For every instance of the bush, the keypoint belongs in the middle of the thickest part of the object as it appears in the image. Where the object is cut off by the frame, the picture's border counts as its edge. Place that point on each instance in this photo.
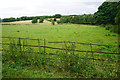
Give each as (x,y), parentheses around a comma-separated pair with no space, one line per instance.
(113,28)
(57,15)
(116,29)
(41,20)
(108,27)
(72,63)
(20,58)
(54,19)
(53,23)
(102,25)
(34,20)
(50,20)
(58,22)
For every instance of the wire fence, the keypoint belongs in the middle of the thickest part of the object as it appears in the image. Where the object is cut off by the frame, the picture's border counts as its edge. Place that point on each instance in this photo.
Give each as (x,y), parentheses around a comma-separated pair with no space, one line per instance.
(44,46)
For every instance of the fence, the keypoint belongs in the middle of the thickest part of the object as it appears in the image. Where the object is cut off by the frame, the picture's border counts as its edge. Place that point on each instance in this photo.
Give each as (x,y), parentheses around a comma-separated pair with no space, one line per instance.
(44,46)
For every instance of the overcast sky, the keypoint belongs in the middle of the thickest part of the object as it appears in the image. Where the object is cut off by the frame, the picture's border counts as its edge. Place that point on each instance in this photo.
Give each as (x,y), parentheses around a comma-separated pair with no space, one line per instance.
(18,8)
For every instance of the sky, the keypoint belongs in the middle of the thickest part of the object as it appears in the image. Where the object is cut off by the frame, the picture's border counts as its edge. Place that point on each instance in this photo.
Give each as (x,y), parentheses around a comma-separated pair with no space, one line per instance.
(19,8)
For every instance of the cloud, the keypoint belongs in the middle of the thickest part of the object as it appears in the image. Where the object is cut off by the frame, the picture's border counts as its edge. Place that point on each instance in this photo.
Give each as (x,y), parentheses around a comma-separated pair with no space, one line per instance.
(18,8)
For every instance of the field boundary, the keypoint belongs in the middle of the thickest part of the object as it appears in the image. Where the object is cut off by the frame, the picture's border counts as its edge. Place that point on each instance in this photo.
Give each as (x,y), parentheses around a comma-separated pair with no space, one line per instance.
(44,46)
(59,42)
(61,48)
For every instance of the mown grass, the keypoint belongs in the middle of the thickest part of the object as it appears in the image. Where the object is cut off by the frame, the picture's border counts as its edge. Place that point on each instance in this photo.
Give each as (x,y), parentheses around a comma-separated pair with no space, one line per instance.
(68,64)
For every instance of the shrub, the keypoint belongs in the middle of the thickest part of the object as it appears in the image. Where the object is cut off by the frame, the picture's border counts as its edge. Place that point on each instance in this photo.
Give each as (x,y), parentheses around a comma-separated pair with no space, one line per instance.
(57,15)
(108,27)
(18,57)
(102,25)
(58,22)
(53,23)
(41,20)
(54,19)
(50,20)
(116,29)
(113,28)
(34,20)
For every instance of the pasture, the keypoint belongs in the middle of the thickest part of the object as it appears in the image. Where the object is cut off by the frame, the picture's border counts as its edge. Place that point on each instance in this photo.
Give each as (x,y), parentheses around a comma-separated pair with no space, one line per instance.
(55,68)
(68,32)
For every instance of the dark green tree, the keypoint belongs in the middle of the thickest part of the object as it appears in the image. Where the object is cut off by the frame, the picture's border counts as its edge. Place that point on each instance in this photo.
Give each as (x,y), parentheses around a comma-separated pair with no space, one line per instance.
(106,13)
(57,16)
(34,20)
(58,22)
(41,20)
(54,19)
(117,20)
(9,19)
(53,23)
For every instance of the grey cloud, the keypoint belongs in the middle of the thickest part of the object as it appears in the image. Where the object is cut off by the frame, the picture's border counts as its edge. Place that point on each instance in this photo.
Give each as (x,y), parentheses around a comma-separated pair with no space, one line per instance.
(50,7)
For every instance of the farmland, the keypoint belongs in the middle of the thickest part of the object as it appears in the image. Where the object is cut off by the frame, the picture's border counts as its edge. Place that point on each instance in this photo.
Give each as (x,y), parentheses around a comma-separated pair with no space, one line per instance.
(81,44)
(33,65)
(69,32)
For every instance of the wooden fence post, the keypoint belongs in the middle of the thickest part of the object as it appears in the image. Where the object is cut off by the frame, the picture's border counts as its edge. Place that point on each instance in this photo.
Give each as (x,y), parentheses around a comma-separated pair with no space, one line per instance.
(23,45)
(39,45)
(44,45)
(14,45)
(65,47)
(91,51)
(26,43)
(20,45)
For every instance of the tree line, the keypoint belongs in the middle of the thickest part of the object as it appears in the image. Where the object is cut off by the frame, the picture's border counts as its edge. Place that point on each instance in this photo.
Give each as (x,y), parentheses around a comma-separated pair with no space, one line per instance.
(12,19)
(78,19)
(108,16)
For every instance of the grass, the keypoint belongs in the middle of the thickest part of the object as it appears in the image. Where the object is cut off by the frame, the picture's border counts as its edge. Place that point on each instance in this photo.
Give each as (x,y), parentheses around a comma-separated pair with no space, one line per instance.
(71,32)
(62,32)
(69,64)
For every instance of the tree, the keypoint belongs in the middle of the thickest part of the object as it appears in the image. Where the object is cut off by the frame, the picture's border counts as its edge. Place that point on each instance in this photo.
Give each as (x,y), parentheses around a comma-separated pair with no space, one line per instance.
(53,23)
(41,20)
(18,19)
(9,19)
(54,19)
(34,20)
(117,20)
(57,16)
(58,22)
(106,13)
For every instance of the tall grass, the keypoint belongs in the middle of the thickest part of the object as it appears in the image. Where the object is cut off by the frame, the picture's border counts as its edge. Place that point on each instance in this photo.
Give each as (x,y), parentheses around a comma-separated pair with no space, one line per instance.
(69,63)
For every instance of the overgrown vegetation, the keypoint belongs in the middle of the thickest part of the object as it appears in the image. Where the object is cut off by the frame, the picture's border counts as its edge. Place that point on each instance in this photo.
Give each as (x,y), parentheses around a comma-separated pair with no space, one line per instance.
(23,62)
(69,64)
(34,20)
(81,19)
(108,14)
(53,23)
(41,20)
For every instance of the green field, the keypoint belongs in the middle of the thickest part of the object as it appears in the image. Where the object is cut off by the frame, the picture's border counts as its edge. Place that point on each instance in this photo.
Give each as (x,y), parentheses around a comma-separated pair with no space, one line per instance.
(61,32)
